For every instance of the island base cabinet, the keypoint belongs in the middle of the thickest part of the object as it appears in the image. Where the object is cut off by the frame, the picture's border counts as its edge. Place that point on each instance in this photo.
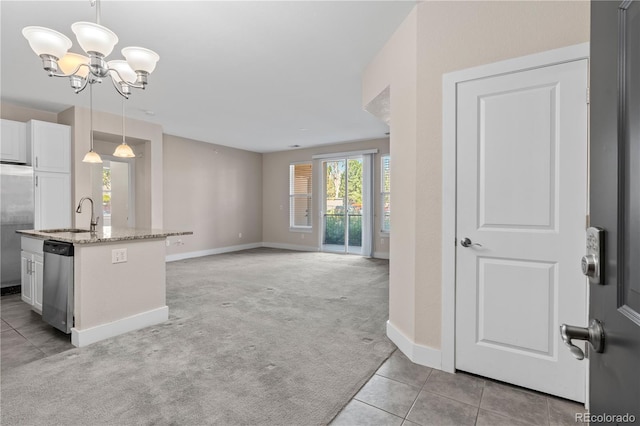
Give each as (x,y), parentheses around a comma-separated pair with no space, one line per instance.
(32,272)
(32,268)
(26,280)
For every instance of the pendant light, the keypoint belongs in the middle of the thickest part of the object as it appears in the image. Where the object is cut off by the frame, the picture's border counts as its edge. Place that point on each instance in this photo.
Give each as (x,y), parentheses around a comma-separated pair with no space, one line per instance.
(91,156)
(123,150)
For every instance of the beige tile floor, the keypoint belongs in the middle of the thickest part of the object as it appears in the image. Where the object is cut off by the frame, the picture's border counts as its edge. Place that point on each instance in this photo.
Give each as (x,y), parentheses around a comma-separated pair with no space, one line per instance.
(404,393)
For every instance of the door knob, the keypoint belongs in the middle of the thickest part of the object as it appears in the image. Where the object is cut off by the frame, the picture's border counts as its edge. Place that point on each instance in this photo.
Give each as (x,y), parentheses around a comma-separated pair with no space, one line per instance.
(466,242)
(594,334)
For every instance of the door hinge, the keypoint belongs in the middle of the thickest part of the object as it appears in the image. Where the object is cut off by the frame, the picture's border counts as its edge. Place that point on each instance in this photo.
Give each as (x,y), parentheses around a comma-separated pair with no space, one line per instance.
(36,180)
(587,221)
(588,96)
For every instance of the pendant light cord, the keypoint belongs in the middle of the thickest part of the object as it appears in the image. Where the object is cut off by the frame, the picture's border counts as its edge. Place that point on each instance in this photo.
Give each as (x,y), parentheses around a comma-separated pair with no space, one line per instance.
(123,139)
(91,116)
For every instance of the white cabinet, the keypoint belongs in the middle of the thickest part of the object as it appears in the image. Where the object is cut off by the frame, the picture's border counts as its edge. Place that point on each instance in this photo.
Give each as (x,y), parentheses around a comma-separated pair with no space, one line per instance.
(52,200)
(26,279)
(50,151)
(50,146)
(32,261)
(13,137)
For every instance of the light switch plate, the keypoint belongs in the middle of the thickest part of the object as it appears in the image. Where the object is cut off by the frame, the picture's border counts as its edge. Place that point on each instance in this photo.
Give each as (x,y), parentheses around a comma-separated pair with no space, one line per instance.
(119,255)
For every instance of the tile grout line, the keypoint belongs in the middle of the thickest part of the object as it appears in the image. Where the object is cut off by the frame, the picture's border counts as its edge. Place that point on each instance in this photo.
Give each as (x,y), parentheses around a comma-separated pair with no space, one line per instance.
(30,342)
(508,417)
(363,385)
(377,408)
(416,398)
(480,402)
(398,381)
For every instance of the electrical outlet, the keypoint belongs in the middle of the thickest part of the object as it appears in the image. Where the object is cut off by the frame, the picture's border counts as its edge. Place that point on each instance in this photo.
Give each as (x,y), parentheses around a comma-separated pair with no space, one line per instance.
(119,255)
(240,235)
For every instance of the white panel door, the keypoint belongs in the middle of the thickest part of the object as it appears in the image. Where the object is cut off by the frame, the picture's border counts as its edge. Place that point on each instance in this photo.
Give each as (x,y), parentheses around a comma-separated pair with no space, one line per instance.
(521,201)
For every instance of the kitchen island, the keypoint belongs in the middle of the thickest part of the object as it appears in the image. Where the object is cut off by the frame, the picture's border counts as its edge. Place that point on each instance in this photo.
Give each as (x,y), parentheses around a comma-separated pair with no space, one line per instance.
(119,279)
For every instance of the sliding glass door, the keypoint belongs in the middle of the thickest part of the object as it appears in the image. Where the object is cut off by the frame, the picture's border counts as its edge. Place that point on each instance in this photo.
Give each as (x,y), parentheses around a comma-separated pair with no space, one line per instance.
(343,205)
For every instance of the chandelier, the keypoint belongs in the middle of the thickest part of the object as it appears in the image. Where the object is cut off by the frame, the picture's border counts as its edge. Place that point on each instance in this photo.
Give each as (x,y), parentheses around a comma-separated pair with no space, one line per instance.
(97,42)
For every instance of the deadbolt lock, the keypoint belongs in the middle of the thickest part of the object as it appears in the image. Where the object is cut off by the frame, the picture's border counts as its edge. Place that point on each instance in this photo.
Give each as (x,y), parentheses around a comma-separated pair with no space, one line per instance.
(591,263)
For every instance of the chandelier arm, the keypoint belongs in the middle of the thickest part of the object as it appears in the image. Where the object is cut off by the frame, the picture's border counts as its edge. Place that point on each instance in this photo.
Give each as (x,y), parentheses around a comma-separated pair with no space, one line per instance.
(118,89)
(123,81)
(84,85)
(60,74)
(134,85)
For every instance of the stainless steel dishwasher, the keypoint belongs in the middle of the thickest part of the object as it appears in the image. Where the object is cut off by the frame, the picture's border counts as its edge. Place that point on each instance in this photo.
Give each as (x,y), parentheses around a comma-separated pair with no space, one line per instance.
(57,286)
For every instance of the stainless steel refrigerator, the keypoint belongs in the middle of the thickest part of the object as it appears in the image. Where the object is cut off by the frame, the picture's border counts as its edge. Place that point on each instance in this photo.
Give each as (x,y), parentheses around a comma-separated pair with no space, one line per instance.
(16,212)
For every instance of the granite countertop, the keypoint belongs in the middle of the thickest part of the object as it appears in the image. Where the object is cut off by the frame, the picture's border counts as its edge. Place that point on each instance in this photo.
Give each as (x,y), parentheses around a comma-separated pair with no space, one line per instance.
(104,234)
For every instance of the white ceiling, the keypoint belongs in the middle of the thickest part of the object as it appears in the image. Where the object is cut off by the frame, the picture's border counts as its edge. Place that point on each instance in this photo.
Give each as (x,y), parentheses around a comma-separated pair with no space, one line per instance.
(260,76)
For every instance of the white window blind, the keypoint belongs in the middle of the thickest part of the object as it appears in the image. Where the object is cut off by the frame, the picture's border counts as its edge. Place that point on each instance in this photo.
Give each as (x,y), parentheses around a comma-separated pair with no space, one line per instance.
(300,195)
(385,190)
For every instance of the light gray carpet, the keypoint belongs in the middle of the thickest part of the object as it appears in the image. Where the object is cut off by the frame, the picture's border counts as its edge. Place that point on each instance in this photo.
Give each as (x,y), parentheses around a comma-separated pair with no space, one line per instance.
(260,337)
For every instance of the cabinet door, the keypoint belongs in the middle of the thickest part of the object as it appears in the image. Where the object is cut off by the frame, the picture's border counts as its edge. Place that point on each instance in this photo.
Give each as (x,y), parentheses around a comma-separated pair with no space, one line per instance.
(13,147)
(52,200)
(51,146)
(37,276)
(26,281)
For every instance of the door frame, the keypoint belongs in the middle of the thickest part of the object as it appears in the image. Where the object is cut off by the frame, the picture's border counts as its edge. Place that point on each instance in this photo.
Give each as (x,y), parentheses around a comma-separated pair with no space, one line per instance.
(449,173)
(318,160)
(131,221)
(325,247)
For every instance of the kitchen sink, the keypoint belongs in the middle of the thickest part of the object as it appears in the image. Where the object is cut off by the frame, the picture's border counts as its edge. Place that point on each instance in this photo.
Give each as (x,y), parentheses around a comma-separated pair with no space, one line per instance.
(71,230)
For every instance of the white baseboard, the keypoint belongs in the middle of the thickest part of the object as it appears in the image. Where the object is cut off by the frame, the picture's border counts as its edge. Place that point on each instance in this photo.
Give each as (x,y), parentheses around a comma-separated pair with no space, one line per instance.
(220,250)
(91,335)
(420,354)
(290,247)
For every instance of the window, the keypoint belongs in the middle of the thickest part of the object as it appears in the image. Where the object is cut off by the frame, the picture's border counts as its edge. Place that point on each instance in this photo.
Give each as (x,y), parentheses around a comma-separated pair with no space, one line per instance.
(300,195)
(385,190)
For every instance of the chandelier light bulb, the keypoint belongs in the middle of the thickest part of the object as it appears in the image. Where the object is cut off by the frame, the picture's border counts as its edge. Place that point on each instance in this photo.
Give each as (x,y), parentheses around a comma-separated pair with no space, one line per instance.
(70,62)
(94,38)
(45,41)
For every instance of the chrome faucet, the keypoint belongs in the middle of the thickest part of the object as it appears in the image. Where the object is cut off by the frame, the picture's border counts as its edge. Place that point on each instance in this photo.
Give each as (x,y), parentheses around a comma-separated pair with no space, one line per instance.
(94,219)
